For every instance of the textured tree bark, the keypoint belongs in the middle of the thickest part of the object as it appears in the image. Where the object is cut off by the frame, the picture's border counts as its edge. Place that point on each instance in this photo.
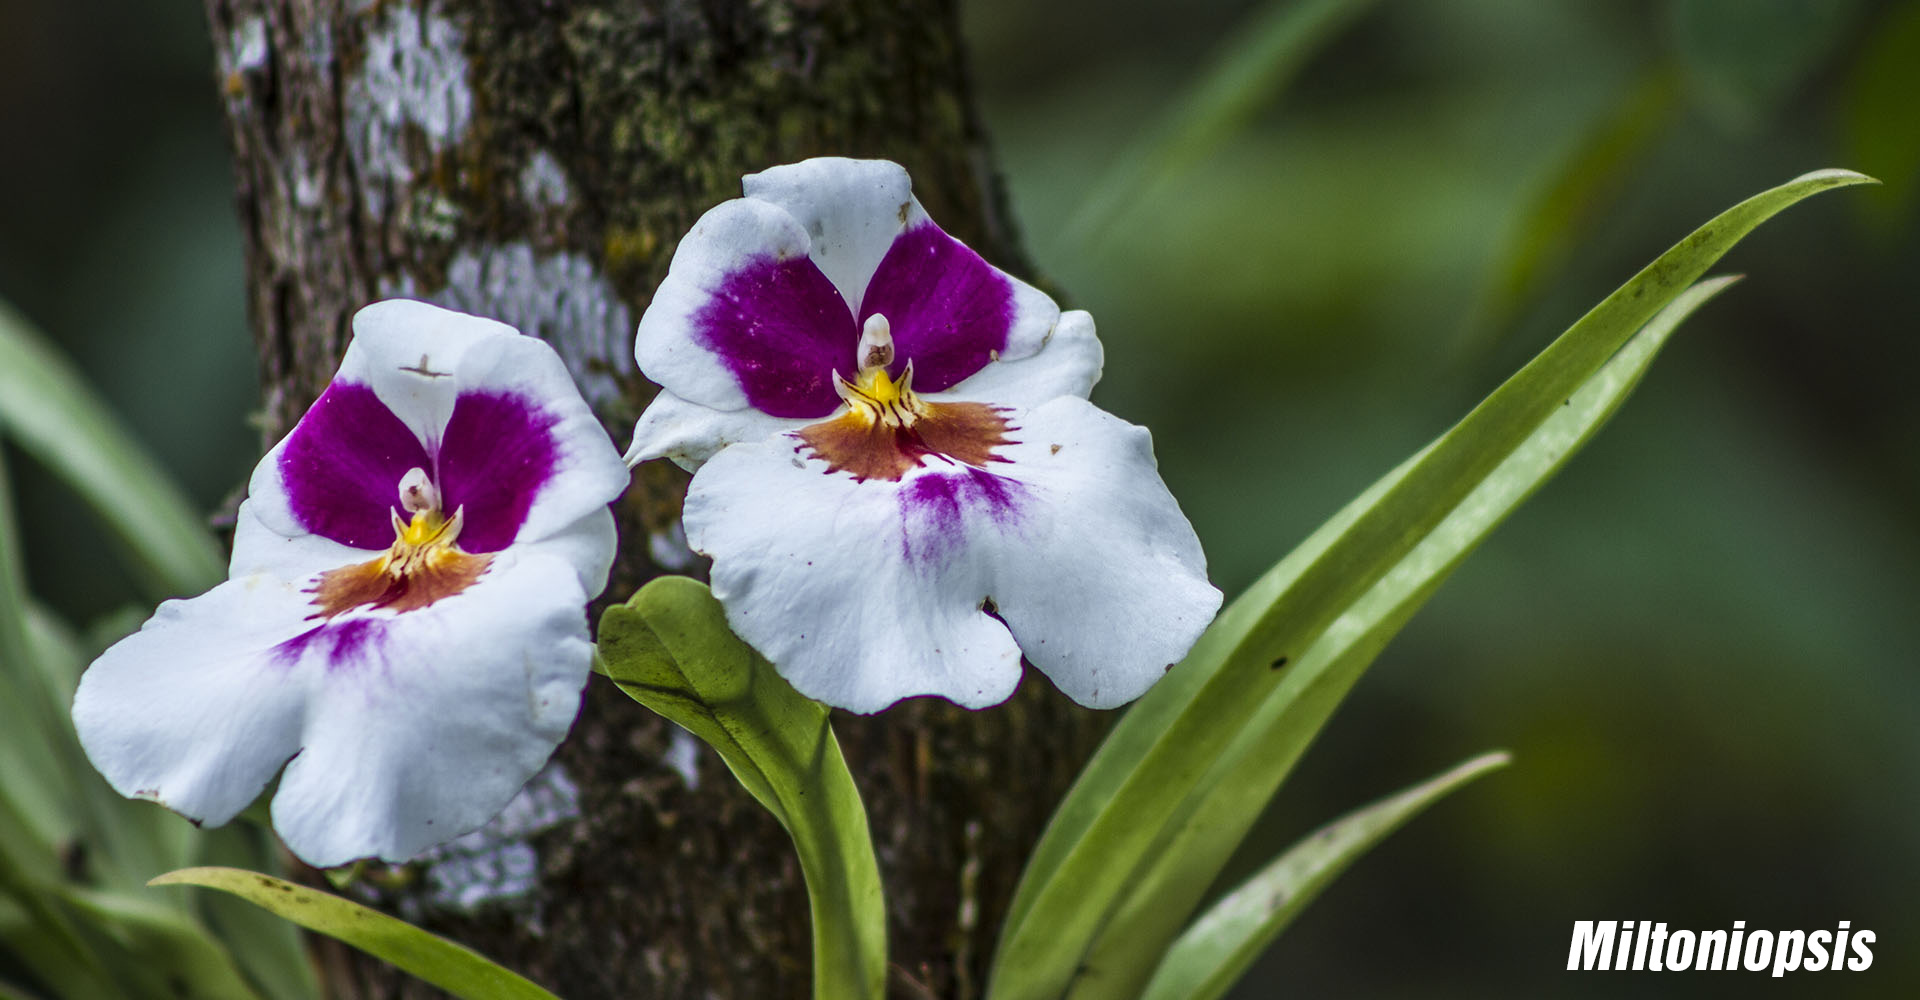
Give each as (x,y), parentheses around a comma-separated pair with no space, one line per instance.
(535,161)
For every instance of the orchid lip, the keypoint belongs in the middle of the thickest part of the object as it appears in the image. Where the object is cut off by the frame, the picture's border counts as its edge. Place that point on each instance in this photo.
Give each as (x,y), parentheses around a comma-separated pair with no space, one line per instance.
(887,430)
(424,564)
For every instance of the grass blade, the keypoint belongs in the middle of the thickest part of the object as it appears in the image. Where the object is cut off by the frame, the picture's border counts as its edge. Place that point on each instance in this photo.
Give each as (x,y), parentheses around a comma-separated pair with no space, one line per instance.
(48,409)
(452,967)
(1134,789)
(1213,954)
(1228,799)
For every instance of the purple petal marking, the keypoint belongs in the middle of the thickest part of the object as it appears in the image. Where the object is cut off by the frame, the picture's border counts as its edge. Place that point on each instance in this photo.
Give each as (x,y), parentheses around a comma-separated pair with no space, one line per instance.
(933,510)
(343,464)
(783,330)
(949,310)
(496,454)
(345,645)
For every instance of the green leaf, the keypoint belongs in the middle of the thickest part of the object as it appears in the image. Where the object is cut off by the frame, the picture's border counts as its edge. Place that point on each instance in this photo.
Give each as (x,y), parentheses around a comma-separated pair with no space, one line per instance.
(161,944)
(48,409)
(269,951)
(1137,787)
(1231,795)
(31,726)
(1212,955)
(1249,72)
(671,650)
(452,967)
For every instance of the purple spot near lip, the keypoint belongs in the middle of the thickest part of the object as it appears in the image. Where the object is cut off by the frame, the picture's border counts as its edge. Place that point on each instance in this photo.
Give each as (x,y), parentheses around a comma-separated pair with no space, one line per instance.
(496,454)
(342,466)
(783,330)
(345,645)
(933,508)
(949,310)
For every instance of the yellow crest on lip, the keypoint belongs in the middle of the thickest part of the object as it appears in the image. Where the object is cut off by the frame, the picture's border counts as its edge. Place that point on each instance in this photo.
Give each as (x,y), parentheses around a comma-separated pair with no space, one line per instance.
(422,566)
(888,431)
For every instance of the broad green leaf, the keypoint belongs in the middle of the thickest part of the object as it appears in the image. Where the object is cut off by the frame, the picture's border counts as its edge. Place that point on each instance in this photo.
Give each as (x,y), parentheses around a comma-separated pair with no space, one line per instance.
(1262,56)
(1135,788)
(51,413)
(1231,795)
(670,649)
(1212,955)
(452,967)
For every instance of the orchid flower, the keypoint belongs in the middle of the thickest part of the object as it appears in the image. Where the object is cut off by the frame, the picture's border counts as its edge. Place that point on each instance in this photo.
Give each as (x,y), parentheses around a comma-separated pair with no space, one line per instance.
(405,614)
(898,475)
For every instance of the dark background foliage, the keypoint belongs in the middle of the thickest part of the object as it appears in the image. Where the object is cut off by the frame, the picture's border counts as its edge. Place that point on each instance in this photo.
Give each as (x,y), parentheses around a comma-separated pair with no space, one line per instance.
(1699,641)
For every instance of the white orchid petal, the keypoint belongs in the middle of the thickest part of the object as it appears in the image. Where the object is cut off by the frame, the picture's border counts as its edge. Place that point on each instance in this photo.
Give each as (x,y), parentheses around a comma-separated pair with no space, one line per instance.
(193,711)
(743,317)
(825,577)
(863,592)
(430,727)
(851,209)
(690,433)
(1069,365)
(259,548)
(1108,586)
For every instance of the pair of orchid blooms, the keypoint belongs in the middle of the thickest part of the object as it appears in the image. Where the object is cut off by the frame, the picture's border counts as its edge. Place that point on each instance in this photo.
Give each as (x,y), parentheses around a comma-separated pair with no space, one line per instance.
(898,477)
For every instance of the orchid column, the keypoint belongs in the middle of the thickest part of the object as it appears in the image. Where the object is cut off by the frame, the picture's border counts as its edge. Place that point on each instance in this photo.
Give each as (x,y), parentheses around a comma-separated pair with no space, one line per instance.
(537,164)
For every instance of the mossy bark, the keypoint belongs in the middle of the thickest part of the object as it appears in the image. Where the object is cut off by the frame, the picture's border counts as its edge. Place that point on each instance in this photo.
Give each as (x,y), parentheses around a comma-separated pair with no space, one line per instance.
(536,161)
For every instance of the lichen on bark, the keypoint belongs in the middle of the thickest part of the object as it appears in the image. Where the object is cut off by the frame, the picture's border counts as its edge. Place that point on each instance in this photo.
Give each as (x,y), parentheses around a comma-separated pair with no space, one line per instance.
(538,161)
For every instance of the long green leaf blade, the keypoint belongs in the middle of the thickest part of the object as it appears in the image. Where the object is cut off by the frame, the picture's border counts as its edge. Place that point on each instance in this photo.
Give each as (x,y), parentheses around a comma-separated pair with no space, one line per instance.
(1136,784)
(1212,955)
(48,409)
(30,726)
(452,967)
(670,649)
(1230,797)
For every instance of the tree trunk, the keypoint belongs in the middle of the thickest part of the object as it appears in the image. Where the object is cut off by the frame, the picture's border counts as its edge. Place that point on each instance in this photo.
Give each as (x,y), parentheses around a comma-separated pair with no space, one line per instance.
(535,161)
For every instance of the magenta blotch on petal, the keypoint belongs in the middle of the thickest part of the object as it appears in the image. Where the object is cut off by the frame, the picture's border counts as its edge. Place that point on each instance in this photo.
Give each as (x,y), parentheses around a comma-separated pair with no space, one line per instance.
(782,330)
(949,309)
(496,454)
(346,645)
(342,464)
(934,507)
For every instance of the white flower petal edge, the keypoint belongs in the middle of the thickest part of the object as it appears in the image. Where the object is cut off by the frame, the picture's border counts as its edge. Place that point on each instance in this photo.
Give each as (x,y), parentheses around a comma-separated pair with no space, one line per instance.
(851,209)
(433,745)
(689,433)
(1109,589)
(187,712)
(725,240)
(1068,364)
(871,596)
(401,748)
(811,572)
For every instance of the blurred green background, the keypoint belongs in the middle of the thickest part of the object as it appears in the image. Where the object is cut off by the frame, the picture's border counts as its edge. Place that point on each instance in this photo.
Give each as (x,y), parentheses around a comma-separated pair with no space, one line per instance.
(1699,641)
